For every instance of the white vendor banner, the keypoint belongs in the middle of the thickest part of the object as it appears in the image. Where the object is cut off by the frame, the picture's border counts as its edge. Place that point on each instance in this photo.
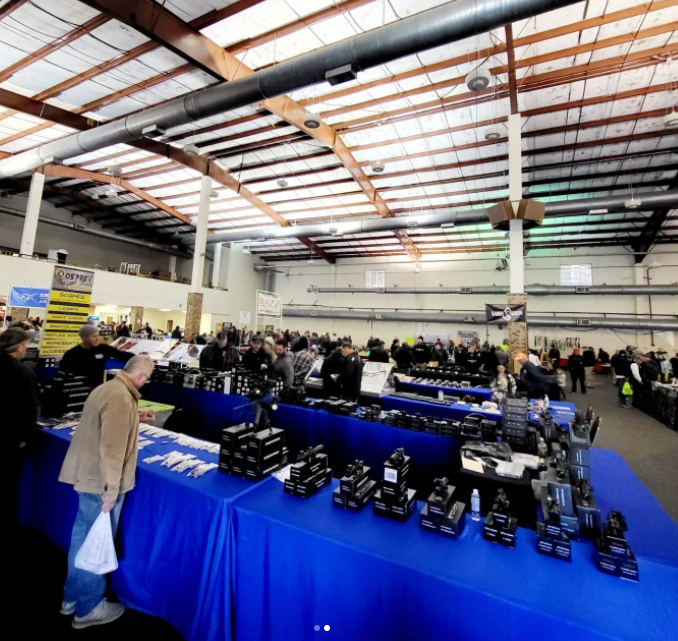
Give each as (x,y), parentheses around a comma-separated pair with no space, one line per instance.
(269,304)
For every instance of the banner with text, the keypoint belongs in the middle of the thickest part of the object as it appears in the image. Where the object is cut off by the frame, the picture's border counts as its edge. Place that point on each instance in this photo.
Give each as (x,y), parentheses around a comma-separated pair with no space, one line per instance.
(269,304)
(28,297)
(502,314)
(67,310)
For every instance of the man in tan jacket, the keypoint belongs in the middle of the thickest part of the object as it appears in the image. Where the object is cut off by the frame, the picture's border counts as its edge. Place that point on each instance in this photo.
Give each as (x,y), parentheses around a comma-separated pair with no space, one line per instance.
(101,466)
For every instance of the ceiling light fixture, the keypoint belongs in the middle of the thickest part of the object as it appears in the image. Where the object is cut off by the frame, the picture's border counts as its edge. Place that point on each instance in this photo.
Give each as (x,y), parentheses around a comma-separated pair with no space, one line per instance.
(633,203)
(670,120)
(214,194)
(478,80)
(312,121)
(115,171)
(191,150)
(493,133)
(378,167)
(282,183)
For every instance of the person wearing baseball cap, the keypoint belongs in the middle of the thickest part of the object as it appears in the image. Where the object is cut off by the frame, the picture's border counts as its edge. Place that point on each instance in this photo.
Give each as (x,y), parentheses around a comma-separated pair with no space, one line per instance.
(577,371)
(220,355)
(20,411)
(89,358)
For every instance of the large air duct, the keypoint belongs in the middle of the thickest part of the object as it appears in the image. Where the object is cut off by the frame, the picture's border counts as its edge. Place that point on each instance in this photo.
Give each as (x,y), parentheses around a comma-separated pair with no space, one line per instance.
(532,290)
(55,222)
(478,318)
(335,63)
(651,200)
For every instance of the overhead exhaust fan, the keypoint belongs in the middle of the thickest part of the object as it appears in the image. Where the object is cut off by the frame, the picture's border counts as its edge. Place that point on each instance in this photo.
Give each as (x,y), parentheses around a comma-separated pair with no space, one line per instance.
(479,79)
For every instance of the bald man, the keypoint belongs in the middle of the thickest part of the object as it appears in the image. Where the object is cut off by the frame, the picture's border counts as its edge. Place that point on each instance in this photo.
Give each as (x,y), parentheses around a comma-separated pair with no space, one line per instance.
(101,466)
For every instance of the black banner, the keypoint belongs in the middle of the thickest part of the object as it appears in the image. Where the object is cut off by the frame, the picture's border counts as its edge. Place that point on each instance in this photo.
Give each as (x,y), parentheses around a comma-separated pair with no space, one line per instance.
(501,314)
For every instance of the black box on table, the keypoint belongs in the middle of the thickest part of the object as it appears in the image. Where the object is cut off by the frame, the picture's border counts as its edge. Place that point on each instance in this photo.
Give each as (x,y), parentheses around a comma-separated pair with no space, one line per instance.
(308,464)
(235,436)
(442,514)
(551,539)
(613,554)
(309,486)
(588,513)
(500,527)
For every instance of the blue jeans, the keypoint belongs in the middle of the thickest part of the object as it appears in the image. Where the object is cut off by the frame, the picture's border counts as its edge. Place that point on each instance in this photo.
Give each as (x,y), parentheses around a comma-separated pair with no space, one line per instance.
(84,588)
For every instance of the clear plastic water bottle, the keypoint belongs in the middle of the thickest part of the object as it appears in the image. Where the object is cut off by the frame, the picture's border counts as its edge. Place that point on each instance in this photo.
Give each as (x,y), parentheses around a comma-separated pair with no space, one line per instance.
(547,403)
(475,505)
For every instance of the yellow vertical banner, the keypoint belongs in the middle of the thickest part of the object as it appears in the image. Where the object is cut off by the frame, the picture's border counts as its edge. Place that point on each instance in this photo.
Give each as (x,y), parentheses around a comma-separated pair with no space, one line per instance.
(67,309)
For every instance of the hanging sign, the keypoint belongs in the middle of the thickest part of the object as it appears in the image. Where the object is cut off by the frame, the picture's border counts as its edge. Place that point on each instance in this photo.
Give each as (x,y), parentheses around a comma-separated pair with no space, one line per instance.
(28,297)
(269,304)
(67,309)
(501,314)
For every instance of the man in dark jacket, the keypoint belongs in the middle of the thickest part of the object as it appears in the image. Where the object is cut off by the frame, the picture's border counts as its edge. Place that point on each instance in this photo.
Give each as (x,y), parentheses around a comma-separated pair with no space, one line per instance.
(422,352)
(20,409)
(577,372)
(256,358)
(395,345)
(589,357)
(372,342)
(473,361)
(331,369)
(404,357)
(440,354)
(554,356)
(177,333)
(378,354)
(352,376)
(220,355)
(89,358)
(674,365)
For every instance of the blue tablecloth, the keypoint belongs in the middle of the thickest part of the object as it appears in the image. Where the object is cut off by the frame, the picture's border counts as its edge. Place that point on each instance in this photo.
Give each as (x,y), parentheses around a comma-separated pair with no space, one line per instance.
(346,439)
(456,411)
(174,535)
(483,393)
(211,412)
(301,563)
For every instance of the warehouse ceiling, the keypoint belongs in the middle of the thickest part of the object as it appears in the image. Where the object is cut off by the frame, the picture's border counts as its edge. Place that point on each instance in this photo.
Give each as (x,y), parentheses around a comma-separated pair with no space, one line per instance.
(592,82)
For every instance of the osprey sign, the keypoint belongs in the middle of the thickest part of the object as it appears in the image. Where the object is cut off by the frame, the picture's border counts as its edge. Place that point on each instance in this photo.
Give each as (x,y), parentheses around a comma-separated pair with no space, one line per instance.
(501,314)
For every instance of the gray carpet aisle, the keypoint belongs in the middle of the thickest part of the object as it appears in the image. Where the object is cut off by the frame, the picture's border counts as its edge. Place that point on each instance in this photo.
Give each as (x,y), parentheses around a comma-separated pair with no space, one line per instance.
(648,446)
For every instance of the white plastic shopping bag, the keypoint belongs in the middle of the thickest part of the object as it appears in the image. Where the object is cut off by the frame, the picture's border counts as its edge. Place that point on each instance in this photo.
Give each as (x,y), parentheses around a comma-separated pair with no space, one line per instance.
(97,554)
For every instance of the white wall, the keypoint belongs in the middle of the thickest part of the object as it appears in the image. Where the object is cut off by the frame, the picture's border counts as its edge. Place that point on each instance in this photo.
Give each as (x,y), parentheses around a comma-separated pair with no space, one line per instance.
(111,288)
(84,250)
(611,266)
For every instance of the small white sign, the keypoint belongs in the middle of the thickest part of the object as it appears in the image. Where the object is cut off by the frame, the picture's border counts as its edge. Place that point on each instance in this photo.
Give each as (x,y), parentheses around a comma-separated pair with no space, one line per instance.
(390,475)
(245,318)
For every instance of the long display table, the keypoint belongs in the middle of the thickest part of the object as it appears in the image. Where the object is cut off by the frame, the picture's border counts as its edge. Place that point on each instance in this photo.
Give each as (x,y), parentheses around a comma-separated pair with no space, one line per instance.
(480,393)
(372,578)
(218,555)
(174,534)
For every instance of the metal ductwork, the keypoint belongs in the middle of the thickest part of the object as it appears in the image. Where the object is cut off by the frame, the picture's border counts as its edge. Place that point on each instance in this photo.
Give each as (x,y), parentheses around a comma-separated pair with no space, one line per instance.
(479,319)
(335,63)
(55,222)
(650,200)
(532,290)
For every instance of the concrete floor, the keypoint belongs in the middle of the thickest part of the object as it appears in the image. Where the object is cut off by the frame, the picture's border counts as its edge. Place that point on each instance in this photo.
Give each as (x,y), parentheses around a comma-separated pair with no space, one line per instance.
(648,446)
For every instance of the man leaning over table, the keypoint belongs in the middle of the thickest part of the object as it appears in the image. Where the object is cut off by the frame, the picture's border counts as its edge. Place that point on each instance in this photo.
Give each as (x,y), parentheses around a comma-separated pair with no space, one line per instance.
(101,465)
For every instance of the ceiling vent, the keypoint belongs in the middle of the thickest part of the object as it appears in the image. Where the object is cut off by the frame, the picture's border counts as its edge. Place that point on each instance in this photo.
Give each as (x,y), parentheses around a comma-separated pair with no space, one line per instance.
(583,322)
(469,319)
(582,290)
(466,290)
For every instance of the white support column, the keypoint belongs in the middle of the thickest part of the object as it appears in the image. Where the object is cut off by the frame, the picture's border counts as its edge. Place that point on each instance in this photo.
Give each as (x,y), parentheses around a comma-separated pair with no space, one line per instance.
(516,262)
(32,215)
(201,234)
(216,268)
(173,264)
